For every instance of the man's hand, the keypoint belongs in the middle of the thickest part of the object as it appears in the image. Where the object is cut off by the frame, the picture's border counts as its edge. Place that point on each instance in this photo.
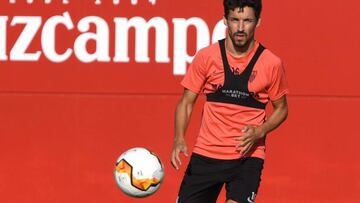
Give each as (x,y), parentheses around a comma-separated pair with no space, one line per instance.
(179,146)
(252,134)
(182,116)
(250,137)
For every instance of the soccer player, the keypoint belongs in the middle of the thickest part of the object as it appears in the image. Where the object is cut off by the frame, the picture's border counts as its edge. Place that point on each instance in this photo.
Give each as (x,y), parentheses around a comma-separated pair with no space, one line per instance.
(239,77)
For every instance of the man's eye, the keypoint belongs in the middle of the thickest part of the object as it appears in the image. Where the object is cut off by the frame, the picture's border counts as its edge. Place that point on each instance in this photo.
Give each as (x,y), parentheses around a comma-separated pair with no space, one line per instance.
(248,20)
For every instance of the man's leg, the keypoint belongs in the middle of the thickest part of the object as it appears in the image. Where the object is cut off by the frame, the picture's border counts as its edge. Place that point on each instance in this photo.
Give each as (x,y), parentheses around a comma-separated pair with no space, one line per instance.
(243,187)
(201,182)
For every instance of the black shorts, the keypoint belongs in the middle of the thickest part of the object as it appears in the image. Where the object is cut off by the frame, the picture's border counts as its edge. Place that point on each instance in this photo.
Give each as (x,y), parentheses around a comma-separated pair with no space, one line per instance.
(204,178)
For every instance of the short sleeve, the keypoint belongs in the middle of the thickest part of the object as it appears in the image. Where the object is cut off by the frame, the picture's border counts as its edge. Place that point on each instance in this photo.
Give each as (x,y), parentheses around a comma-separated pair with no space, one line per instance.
(195,76)
(278,86)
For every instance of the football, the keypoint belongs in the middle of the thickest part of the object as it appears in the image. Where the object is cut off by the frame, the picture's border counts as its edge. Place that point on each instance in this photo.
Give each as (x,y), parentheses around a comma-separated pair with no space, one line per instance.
(139,172)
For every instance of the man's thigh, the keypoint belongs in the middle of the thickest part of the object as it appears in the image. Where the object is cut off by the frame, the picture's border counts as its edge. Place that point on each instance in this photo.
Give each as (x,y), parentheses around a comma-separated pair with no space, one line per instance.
(243,187)
(201,182)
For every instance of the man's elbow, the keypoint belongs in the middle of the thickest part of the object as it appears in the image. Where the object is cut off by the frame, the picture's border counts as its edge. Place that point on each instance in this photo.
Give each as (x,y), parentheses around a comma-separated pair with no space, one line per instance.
(285,112)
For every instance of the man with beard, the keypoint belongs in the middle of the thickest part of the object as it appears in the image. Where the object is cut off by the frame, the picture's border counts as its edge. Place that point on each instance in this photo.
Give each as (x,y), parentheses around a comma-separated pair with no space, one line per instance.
(239,76)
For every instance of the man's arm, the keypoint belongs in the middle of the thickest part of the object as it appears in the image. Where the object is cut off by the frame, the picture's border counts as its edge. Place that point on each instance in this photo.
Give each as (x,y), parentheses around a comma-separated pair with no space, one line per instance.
(253,134)
(182,116)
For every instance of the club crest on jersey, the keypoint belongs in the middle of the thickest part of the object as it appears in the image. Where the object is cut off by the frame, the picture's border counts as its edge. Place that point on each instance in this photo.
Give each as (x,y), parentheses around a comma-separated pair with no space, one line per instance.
(252,76)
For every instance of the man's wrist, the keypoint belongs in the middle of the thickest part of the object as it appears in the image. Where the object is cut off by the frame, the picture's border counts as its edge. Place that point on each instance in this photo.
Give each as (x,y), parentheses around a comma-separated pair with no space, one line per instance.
(262,131)
(179,138)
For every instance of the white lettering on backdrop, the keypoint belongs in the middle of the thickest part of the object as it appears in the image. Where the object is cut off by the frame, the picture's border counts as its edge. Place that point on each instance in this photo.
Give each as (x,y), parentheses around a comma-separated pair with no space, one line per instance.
(180,58)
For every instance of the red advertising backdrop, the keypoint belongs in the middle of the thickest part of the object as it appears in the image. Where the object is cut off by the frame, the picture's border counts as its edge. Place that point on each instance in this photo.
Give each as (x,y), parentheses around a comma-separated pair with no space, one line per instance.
(82,81)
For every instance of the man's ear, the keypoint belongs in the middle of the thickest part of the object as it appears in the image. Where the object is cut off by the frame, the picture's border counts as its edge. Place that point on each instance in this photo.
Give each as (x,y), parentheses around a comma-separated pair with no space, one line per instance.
(258,22)
(225,21)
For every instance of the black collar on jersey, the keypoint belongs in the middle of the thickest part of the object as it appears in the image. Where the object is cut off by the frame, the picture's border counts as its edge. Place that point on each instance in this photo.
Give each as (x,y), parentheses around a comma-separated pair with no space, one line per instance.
(235,89)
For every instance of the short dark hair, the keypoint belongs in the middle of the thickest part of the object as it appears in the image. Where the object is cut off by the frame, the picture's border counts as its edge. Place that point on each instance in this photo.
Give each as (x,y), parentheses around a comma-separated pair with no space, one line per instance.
(233,4)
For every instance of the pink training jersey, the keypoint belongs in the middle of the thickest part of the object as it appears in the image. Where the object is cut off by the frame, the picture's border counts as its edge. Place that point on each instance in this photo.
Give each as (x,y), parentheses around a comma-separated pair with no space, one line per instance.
(223,122)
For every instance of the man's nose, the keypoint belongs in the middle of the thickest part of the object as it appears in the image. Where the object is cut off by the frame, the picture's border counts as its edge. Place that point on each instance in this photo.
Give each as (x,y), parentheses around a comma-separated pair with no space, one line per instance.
(241,25)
